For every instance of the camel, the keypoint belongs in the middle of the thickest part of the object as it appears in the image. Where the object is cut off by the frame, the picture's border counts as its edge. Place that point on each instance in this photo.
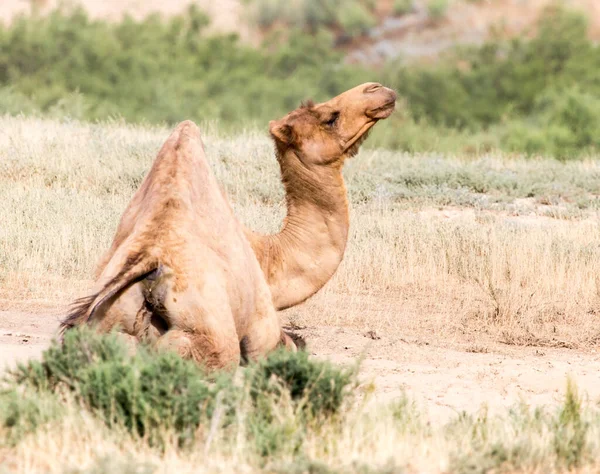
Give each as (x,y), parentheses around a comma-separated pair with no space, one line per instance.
(183,274)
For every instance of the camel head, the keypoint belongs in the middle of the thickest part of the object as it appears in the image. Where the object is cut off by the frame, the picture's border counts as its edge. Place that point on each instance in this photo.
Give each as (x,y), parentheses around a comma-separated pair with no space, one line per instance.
(326,133)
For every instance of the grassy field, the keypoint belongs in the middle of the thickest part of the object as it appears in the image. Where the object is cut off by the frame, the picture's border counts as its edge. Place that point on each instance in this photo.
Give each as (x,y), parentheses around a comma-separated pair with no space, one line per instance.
(495,248)
(503,246)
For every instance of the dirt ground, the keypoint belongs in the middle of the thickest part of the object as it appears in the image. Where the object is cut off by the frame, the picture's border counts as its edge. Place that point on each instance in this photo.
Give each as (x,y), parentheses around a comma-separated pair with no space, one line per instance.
(443,380)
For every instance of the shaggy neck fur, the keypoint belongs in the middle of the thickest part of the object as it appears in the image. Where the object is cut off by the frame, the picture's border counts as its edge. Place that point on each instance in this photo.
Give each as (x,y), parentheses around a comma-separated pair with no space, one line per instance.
(300,259)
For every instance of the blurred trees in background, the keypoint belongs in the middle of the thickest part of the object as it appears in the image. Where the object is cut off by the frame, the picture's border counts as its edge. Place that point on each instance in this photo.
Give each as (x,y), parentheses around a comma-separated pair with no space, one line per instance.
(538,95)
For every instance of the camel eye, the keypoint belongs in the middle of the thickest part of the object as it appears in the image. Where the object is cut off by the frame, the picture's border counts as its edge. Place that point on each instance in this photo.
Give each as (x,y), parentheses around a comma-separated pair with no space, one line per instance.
(331,121)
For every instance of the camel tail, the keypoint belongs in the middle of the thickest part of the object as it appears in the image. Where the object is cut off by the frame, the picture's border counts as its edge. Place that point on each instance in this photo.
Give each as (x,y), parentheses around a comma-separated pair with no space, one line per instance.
(82,311)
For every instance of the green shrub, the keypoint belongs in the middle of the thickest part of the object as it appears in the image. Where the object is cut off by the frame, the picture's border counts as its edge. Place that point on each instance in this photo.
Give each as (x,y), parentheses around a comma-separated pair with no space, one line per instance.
(566,125)
(537,96)
(267,12)
(154,395)
(160,70)
(290,394)
(402,7)
(355,19)
(150,394)
(501,78)
(318,387)
(21,413)
(570,431)
(437,8)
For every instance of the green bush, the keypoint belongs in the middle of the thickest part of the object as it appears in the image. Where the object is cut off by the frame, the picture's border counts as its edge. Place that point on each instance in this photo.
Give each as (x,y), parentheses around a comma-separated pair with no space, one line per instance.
(437,8)
(534,96)
(502,78)
(290,394)
(159,70)
(24,412)
(566,125)
(353,17)
(402,7)
(319,387)
(150,394)
(154,395)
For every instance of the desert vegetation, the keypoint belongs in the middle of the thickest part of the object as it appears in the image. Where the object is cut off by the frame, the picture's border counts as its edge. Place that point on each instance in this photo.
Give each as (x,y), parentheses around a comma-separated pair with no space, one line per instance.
(97,408)
(507,246)
(534,95)
(474,229)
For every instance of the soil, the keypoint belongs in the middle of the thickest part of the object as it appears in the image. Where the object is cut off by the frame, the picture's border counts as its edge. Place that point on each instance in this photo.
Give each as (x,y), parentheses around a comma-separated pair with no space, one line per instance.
(444,378)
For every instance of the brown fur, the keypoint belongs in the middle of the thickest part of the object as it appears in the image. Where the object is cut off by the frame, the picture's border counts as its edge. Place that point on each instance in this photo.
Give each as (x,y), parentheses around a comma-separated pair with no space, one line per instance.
(180,273)
(299,260)
(183,274)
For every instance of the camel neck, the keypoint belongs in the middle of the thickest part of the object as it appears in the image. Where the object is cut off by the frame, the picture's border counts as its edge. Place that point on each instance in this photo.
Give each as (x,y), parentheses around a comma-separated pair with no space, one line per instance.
(300,259)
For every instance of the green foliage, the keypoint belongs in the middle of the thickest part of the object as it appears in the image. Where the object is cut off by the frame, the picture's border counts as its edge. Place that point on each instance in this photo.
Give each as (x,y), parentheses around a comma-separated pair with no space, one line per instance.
(534,96)
(437,8)
(22,413)
(508,443)
(566,124)
(291,393)
(291,398)
(353,17)
(402,7)
(154,395)
(159,70)
(317,386)
(570,431)
(537,93)
(147,393)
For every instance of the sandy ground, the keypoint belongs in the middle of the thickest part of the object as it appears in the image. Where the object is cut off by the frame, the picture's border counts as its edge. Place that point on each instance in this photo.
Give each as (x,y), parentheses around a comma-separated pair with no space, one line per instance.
(442,380)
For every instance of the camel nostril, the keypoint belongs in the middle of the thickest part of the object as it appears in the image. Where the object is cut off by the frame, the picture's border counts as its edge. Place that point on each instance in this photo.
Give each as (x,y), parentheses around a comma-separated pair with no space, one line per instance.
(372,88)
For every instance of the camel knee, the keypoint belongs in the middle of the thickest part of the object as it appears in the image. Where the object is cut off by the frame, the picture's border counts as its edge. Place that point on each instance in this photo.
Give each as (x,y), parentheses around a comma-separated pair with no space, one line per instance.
(252,350)
(287,342)
(201,349)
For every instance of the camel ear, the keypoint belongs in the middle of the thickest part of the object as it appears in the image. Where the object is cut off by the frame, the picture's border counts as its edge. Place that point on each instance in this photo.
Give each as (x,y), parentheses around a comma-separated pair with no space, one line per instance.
(282,132)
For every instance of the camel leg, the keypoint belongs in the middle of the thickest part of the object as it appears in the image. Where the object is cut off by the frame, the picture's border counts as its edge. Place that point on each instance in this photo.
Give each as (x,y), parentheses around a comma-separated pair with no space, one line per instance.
(129,313)
(201,330)
(264,333)
(121,312)
(263,337)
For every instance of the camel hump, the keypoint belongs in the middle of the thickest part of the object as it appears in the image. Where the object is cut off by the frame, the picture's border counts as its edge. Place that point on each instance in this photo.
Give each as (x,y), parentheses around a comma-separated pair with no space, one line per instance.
(189,128)
(185,138)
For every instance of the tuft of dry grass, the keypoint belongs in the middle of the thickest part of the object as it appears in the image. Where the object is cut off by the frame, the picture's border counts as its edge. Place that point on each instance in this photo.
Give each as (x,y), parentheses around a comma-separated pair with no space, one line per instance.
(498,246)
(392,438)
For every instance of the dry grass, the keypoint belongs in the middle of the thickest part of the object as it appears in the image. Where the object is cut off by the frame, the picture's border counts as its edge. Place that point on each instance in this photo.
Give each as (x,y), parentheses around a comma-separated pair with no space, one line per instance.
(390,439)
(442,244)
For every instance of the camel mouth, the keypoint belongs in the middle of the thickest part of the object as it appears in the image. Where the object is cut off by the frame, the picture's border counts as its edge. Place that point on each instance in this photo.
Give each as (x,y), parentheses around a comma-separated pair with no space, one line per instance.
(382,112)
